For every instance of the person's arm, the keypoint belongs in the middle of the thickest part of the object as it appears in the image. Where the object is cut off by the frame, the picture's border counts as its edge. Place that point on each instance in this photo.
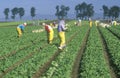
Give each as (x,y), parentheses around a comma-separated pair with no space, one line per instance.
(22,28)
(63,27)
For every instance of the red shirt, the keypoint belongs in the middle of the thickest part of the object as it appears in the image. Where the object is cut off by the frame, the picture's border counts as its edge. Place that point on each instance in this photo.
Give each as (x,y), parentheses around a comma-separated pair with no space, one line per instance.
(48,28)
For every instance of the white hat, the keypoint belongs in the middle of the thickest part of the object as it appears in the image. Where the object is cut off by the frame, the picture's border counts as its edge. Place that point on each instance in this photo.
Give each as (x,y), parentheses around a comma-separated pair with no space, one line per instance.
(43,23)
(25,23)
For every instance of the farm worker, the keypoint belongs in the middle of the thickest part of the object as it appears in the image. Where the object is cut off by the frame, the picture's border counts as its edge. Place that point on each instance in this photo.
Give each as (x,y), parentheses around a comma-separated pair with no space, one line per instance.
(20,29)
(79,22)
(90,22)
(114,23)
(61,32)
(75,23)
(50,33)
(53,24)
(96,22)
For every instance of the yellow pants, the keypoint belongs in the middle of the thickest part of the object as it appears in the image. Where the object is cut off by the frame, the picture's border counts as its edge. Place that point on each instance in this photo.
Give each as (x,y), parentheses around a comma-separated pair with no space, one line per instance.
(115,23)
(90,24)
(62,38)
(96,23)
(19,32)
(50,36)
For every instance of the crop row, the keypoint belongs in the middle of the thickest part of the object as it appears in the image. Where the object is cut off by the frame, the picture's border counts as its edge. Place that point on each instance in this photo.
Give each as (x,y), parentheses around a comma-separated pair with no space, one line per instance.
(114,31)
(42,55)
(113,49)
(29,61)
(65,61)
(93,64)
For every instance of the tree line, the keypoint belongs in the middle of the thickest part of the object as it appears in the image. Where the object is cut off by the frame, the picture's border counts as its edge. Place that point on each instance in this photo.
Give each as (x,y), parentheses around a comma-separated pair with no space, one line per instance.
(18,11)
(82,11)
(86,11)
(112,12)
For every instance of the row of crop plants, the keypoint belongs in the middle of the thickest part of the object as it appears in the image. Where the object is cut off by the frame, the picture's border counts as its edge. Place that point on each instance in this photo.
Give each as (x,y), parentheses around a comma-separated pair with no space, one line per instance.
(21,53)
(6,32)
(20,43)
(93,64)
(39,56)
(9,41)
(117,27)
(61,67)
(29,66)
(115,30)
(13,43)
(8,61)
(113,48)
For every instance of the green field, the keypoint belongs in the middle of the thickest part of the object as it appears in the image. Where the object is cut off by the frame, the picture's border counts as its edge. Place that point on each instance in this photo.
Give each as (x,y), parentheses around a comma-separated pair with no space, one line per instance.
(90,52)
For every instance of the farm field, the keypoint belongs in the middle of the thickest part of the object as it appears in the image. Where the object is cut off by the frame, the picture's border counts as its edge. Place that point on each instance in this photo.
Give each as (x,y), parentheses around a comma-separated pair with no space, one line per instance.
(91,52)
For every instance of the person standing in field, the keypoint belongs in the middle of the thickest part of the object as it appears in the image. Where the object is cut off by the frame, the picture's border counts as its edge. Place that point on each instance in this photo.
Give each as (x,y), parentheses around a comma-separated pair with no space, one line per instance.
(61,32)
(90,22)
(114,23)
(79,22)
(96,22)
(53,24)
(20,29)
(50,33)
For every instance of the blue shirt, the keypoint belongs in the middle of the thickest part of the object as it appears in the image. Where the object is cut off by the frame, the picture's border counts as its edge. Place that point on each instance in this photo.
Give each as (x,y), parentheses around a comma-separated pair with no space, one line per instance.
(61,25)
(22,27)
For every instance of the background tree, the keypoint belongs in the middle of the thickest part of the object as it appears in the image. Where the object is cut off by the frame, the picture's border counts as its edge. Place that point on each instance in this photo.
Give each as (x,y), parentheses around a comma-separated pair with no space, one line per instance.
(90,10)
(106,12)
(84,10)
(77,11)
(14,12)
(32,12)
(61,11)
(21,12)
(115,12)
(6,12)
(57,11)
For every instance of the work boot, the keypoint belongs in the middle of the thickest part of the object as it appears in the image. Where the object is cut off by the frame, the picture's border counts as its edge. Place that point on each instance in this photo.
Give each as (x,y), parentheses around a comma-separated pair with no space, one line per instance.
(60,48)
(64,46)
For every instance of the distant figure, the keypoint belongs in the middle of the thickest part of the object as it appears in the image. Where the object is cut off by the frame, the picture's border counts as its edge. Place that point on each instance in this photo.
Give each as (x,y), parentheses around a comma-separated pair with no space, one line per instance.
(75,23)
(90,22)
(114,23)
(53,24)
(61,33)
(79,22)
(50,33)
(96,22)
(20,29)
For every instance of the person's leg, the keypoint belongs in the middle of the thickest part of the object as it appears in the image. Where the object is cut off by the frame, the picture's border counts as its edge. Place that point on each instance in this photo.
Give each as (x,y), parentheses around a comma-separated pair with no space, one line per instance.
(51,36)
(62,40)
(19,32)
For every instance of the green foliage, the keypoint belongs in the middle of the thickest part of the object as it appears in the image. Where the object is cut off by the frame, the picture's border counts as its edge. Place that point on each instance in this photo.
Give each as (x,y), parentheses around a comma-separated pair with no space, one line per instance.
(32,12)
(6,11)
(84,10)
(92,64)
(21,12)
(61,11)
